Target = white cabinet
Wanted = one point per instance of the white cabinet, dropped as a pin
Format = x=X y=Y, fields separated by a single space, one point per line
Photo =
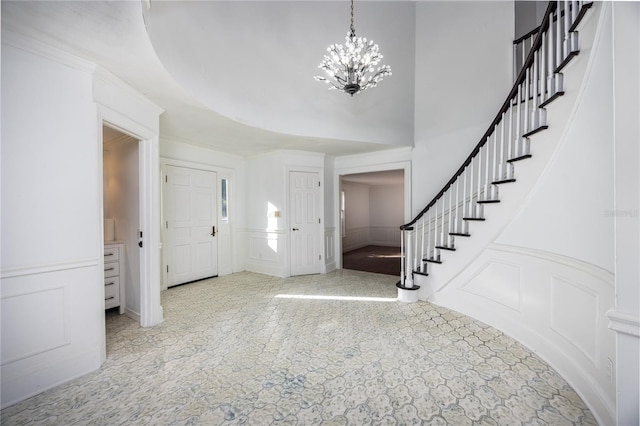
x=114 y=278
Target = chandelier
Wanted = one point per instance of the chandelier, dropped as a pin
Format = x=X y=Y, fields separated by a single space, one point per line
x=352 y=67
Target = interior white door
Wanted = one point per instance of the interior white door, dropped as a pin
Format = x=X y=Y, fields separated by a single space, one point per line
x=304 y=199
x=190 y=221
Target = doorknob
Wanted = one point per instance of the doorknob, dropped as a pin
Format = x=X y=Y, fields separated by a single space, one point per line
x=213 y=231
x=295 y=229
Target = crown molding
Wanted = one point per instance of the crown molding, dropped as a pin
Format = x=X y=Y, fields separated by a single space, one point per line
x=11 y=37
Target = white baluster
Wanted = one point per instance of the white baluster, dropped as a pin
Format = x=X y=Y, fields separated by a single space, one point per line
x=527 y=93
x=502 y=172
x=478 y=205
x=435 y=233
x=408 y=283
x=415 y=252
x=535 y=122
x=510 y=138
x=559 y=57
x=496 y=164
x=403 y=259
x=471 y=175
x=487 y=181
x=567 y=24
x=442 y=243
x=551 y=56
x=457 y=218
x=421 y=262
x=543 y=68
x=518 y=121
x=428 y=233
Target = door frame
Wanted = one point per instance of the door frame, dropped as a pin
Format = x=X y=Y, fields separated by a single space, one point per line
x=221 y=173
x=148 y=181
x=337 y=188
x=320 y=239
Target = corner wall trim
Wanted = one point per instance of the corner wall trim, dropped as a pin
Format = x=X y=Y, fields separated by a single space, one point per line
x=624 y=323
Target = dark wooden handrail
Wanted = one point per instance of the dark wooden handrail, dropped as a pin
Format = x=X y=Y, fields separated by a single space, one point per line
x=505 y=106
x=527 y=35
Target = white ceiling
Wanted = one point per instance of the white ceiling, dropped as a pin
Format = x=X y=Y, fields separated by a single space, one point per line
x=237 y=76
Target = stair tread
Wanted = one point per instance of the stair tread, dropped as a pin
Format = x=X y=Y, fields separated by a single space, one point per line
x=431 y=260
x=534 y=131
x=488 y=201
x=498 y=182
x=522 y=157
x=424 y=274
x=446 y=248
x=474 y=218
x=459 y=234
x=552 y=98
x=566 y=61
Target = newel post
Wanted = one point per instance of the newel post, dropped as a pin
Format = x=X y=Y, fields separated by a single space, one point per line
x=407 y=290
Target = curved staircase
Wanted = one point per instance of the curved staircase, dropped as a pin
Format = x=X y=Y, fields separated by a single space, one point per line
x=446 y=224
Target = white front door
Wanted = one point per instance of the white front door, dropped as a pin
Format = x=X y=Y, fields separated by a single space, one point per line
x=304 y=197
x=190 y=222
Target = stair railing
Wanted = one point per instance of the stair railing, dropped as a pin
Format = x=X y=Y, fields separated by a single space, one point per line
x=505 y=142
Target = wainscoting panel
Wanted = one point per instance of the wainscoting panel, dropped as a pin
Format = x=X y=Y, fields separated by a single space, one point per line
x=384 y=236
x=265 y=251
x=499 y=282
x=555 y=305
x=371 y=236
x=329 y=249
x=577 y=326
x=355 y=238
x=52 y=326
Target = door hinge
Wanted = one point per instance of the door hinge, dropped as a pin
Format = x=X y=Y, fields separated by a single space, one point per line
x=319 y=257
x=166 y=178
x=167 y=268
x=167 y=224
x=318 y=220
x=318 y=184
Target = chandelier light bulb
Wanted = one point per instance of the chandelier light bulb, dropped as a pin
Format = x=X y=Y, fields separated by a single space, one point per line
x=347 y=66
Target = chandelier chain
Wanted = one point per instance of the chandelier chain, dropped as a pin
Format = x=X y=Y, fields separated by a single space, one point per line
x=353 y=28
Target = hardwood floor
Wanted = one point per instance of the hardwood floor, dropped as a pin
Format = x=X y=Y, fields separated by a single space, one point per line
x=378 y=259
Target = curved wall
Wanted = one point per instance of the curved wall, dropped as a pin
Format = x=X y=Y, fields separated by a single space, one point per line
x=547 y=276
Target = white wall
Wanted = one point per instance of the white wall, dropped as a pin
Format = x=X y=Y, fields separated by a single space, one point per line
x=463 y=75
x=52 y=300
x=265 y=237
x=123 y=205
x=357 y=219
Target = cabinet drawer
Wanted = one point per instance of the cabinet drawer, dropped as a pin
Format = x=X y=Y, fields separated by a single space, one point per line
x=111 y=269
x=111 y=296
x=111 y=282
x=111 y=254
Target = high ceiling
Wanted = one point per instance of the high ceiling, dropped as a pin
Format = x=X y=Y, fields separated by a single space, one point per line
x=236 y=76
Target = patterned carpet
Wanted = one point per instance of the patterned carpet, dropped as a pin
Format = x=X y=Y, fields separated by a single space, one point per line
x=333 y=349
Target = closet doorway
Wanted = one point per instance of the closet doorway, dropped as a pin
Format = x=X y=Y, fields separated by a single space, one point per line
x=121 y=212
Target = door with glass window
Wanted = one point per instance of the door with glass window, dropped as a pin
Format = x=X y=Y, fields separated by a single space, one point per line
x=190 y=200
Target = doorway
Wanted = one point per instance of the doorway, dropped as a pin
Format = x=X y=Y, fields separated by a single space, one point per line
x=121 y=213
x=372 y=209
x=191 y=224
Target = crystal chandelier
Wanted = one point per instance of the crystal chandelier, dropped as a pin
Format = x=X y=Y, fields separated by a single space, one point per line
x=352 y=67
